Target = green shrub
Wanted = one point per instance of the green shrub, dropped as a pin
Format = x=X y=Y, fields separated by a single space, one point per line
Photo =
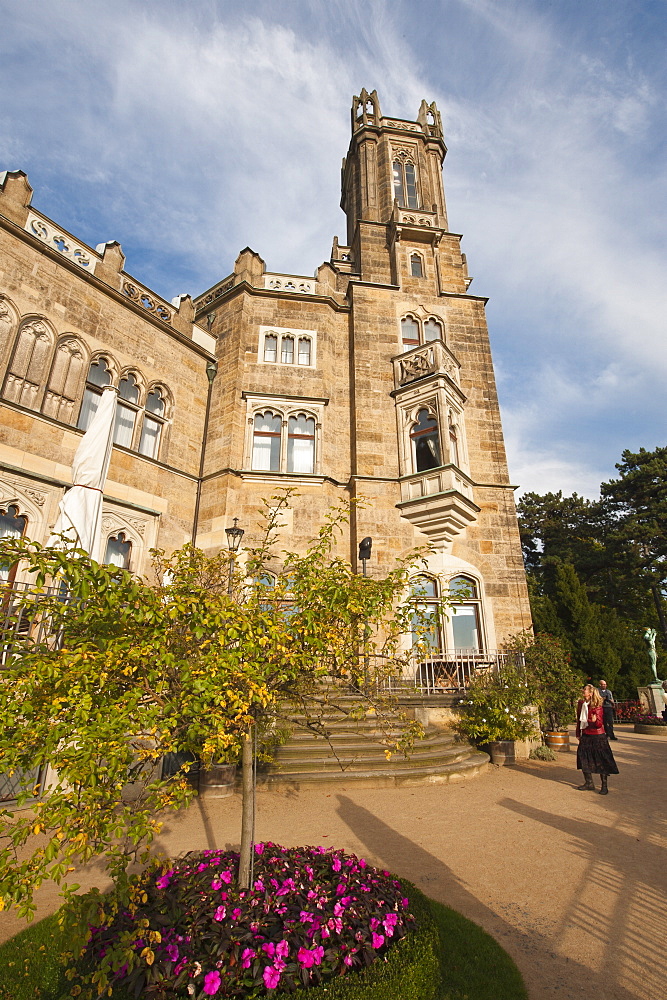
x=543 y=753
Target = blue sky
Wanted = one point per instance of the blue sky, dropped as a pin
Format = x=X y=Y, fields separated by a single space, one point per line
x=189 y=130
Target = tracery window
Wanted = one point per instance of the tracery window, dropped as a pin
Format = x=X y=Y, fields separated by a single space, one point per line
x=99 y=375
x=118 y=551
x=64 y=383
x=409 y=332
x=425 y=439
x=12 y=525
x=286 y=348
x=284 y=442
x=266 y=442
x=127 y=407
x=405 y=183
x=301 y=444
x=27 y=369
x=414 y=333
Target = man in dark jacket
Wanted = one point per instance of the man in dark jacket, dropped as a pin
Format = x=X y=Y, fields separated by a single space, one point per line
x=607 y=709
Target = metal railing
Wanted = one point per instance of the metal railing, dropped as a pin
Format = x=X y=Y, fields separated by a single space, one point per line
x=447 y=671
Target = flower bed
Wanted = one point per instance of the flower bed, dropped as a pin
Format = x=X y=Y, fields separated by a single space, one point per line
x=648 y=724
x=312 y=916
x=625 y=711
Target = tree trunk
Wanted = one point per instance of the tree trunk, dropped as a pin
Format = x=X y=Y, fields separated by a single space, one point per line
x=248 y=810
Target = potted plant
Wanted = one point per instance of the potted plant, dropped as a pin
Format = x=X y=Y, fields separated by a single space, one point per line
x=554 y=686
x=495 y=714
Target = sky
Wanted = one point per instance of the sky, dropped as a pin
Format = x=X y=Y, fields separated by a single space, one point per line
x=187 y=131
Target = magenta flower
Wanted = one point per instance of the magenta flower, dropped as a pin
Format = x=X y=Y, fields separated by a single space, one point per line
x=259 y=848
x=377 y=940
x=246 y=958
x=216 y=883
x=307 y=957
x=172 y=952
x=271 y=977
x=336 y=865
x=226 y=877
x=211 y=983
x=259 y=885
x=220 y=913
x=374 y=923
x=305 y=917
x=270 y=948
x=164 y=881
x=282 y=949
x=236 y=914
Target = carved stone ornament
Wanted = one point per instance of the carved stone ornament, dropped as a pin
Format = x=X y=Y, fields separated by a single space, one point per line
x=415 y=366
x=403 y=152
x=13 y=490
x=406 y=126
x=143 y=298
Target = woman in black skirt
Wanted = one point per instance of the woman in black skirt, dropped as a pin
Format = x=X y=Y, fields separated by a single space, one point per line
x=594 y=754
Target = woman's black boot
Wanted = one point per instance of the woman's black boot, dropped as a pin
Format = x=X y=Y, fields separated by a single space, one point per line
x=604 y=790
x=588 y=785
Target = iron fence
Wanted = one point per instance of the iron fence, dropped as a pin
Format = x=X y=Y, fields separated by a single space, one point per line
x=447 y=671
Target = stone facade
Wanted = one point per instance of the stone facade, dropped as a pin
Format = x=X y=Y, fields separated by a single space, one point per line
x=373 y=379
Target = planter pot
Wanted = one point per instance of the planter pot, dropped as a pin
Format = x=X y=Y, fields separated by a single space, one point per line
x=218 y=782
x=557 y=741
x=502 y=752
x=650 y=730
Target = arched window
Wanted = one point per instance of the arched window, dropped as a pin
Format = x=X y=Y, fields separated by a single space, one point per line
x=425 y=442
x=64 y=381
x=266 y=442
x=270 y=347
x=416 y=267
x=301 y=444
x=426 y=621
x=287 y=351
x=118 y=551
x=465 y=617
x=127 y=408
x=432 y=330
x=409 y=332
x=12 y=525
x=27 y=369
x=98 y=376
x=454 y=457
x=405 y=183
x=154 y=420
x=304 y=350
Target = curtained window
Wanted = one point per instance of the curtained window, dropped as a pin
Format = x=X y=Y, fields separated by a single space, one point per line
x=301 y=444
x=12 y=525
x=153 y=423
x=118 y=551
x=98 y=376
x=465 y=614
x=266 y=442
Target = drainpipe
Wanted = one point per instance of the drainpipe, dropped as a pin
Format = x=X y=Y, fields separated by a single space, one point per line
x=211 y=372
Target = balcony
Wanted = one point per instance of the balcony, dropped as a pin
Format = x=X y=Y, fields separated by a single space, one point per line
x=439 y=502
x=447 y=671
x=428 y=359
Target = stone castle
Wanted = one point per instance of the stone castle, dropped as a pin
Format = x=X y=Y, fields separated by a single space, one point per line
x=373 y=378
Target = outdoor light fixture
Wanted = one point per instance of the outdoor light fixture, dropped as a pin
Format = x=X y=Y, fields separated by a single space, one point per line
x=365 y=546
x=234 y=536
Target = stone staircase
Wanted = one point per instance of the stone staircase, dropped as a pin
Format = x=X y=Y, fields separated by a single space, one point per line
x=355 y=755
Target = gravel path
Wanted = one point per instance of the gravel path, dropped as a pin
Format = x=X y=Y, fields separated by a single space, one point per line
x=572 y=884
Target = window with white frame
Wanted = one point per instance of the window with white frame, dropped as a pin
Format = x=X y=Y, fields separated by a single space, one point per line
x=287 y=347
x=301 y=444
x=284 y=437
x=127 y=407
x=465 y=619
x=415 y=333
x=426 y=618
x=266 y=441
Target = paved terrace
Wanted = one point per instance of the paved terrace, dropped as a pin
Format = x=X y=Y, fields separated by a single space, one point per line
x=572 y=884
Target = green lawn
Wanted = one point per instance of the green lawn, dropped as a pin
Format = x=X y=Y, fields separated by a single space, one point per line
x=474 y=966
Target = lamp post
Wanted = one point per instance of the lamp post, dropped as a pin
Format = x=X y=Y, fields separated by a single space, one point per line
x=365 y=546
x=234 y=536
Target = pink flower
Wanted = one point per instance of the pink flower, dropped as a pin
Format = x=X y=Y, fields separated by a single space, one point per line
x=374 y=923
x=348 y=960
x=236 y=914
x=307 y=957
x=164 y=881
x=172 y=952
x=259 y=848
x=305 y=917
x=211 y=983
x=270 y=948
x=335 y=924
x=259 y=885
x=220 y=913
x=405 y=902
x=216 y=884
x=282 y=949
x=336 y=865
x=377 y=940
x=389 y=923
x=202 y=867
x=226 y=877
x=246 y=958
x=271 y=977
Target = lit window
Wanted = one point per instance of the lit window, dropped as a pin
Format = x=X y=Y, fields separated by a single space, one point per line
x=301 y=444
x=405 y=183
x=118 y=551
x=154 y=420
x=416 y=269
x=266 y=442
x=98 y=376
x=426 y=442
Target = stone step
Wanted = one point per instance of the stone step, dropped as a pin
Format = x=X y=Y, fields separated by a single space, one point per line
x=354 y=745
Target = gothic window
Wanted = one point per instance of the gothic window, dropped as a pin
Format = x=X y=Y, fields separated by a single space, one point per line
x=118 y=551
x=99 y=375
x=425 y=442
x=270 y=347
x=454 y=456
x=153 y=422
x=266 y=442
x=426 y=619
x=127 y=407
x=287 y=351
x=65 y=379
x=432 y=330
x=465 y=615
x=409 y=332
x=285 y=347
x=301 y=444
x=405 y=183
x=27 y=369
x=416 y=266
x=12 y=525
x=304 y=350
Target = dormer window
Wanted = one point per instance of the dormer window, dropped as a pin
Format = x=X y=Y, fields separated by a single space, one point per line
x=405 y=183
